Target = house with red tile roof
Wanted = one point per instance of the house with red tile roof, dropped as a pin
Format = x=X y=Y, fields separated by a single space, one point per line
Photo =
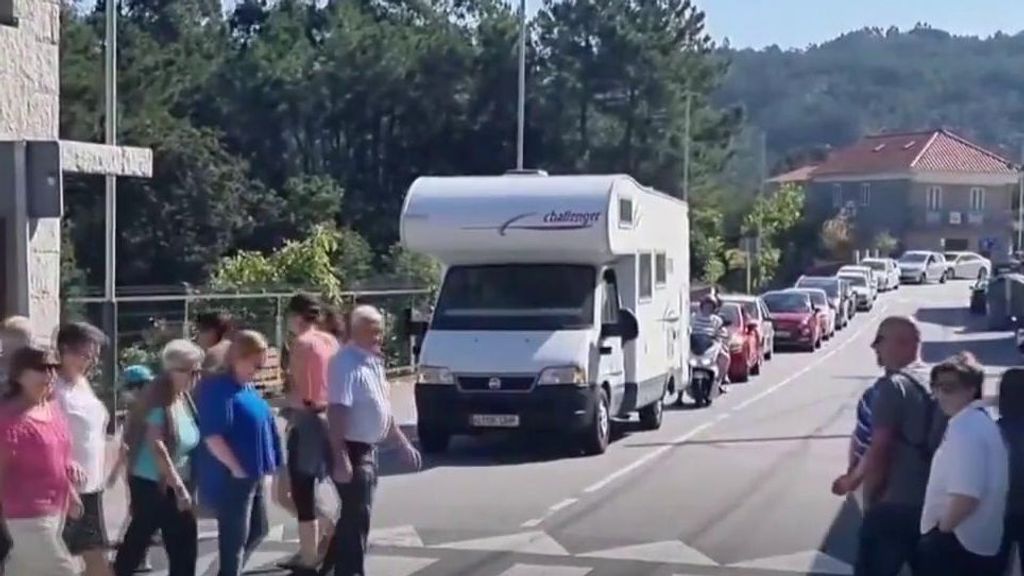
x=932 y=190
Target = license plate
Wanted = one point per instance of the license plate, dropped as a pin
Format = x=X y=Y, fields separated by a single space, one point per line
x=494 y=420
x=782 y=334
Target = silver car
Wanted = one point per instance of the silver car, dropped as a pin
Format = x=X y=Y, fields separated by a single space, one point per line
x=922 y=266
x=968 y=265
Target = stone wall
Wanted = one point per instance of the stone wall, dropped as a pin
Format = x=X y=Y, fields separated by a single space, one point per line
x=29 y=110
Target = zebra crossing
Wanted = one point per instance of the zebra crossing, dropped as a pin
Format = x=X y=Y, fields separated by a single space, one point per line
x=402 y=551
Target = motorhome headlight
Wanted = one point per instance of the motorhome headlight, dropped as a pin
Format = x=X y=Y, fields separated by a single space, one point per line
x=563 y=375
x=434 y=375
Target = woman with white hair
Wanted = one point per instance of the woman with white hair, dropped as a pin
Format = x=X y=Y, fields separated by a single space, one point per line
x=161 y=437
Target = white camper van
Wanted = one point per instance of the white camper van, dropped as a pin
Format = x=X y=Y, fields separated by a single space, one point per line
x=564 y=306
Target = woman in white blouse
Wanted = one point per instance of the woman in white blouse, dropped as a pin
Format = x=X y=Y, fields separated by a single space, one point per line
x=78 y=345
x=965 y=502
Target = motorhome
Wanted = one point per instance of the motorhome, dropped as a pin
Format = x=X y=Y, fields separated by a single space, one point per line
x=564 y=305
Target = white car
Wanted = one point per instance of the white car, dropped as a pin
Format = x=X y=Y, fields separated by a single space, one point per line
x=923 y=266
x=969 y=265
x=886 y=270
x=867 y=272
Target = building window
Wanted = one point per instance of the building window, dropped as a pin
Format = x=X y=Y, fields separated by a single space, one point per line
x=935 y=198
x=626 y=212
x=865 y=194
x=837 y=195
x=977 y=199
x=660 y=270
x=644 y=276
x=7 y=17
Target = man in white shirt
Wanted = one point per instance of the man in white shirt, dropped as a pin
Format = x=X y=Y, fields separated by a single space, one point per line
x=359 y=417
x=965 y=502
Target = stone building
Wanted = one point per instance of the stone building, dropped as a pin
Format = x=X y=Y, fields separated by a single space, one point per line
x=32 y=159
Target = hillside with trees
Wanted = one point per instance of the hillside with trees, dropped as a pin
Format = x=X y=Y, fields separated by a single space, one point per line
x=876 y=80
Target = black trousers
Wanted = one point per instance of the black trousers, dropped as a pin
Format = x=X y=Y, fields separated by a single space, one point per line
x=889 y=536
x=153 y=508
x=1013 y=534
x=353 y=529
x=941 y=554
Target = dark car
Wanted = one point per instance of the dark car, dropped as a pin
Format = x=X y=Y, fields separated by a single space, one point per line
x=838 y=297
x=796 y=321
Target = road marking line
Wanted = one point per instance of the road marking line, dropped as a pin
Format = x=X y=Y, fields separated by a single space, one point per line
x=563 y=504
x=552 y=510
x=653 y=455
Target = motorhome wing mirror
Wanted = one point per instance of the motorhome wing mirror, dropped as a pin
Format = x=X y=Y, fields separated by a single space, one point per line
x=413 y=324
x=629 y=327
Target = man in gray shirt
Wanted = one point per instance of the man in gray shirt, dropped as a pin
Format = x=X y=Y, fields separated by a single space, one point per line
x=359 y=418
x=906 y=428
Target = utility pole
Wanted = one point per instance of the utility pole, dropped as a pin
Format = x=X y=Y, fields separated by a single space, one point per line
x=686 y=148
x=110 y=201
x=521 y=120
x=762 y=175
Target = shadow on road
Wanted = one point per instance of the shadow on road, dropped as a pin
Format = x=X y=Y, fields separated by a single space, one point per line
x=992 y=352
x=840 y=541
x=958 y=317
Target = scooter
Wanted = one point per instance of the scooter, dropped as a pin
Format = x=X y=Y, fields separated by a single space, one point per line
x=705 y=377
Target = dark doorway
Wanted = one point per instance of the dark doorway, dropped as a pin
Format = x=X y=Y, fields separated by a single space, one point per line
x=955 y=244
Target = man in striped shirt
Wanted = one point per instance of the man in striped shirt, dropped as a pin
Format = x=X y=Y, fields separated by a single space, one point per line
x=359 y=418
x=860 y=440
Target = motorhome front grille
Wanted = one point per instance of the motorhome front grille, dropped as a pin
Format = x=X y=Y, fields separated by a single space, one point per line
x=496 y=383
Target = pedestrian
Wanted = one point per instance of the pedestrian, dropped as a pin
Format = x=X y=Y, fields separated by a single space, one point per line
x=1011 y=423
x=307 y=445
x=36 y=490
x=335 y=323
x=15 y=334
x=79 y=345
x=860 y=439
x=360 y=417
x=213 y=331
x=134 y=380
x=243 y=448
x=965 y=503
x=906 y=426
x=163 y=435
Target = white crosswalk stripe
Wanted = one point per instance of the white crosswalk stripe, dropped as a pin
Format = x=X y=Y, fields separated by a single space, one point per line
x=669 y=552
x=538 y=570
x=811 y=561
x=525 y=543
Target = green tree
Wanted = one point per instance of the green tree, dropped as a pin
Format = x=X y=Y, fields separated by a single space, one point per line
x=773 y=217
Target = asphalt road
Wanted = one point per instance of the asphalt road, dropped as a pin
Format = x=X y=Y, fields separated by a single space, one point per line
x=738 y=489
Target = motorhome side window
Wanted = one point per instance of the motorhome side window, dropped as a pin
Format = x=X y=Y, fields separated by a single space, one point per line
x=660 y=270
x=517 y=297
x=626 y=212
x=610 y=307
x=644 y=276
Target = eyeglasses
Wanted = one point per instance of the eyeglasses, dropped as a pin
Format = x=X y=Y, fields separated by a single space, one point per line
x=46 y=368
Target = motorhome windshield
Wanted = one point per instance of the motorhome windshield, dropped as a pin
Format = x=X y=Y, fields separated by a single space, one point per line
x=516 y=297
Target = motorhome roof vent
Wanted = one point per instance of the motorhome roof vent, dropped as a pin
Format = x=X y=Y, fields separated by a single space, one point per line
x=526 y=172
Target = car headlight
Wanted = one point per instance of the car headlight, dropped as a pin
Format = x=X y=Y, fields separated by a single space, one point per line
x=705 y=362
x=434 y=375
x=563 y=375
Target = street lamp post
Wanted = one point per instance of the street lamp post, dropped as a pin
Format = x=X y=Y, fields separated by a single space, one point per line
x=686 y=148
x=521 y=116
x=110 y=201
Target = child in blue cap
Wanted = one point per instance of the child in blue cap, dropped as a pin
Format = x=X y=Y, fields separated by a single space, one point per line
x=133 y=380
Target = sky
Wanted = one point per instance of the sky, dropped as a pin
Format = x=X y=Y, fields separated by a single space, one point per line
x=799 y=23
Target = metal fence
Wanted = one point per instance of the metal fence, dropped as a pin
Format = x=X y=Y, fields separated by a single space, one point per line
x=146 y=322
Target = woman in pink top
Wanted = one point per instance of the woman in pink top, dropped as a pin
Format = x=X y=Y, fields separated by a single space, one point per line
x=36 y=490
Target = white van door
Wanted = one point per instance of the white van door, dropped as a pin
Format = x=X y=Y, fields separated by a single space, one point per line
x=611 y=368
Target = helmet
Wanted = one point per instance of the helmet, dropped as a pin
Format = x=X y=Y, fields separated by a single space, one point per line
x=709 y=301
x=136 y=376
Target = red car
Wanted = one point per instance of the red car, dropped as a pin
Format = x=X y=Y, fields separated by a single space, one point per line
x=745 y=353
x=794 y=318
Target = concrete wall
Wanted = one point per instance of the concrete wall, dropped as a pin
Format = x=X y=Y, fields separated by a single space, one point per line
x=29 y=110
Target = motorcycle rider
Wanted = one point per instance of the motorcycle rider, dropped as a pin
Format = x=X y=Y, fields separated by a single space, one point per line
x=707 y=322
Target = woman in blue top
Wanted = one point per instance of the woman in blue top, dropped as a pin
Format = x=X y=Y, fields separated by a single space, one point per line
x=160 y=437
x=243 y=447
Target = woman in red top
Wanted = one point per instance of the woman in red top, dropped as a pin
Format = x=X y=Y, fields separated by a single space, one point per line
x=36 y=489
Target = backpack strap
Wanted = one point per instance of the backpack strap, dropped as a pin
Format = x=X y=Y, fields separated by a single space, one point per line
x=924 y=448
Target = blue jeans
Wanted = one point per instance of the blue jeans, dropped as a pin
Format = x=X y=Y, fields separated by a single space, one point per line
x=241 y=523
